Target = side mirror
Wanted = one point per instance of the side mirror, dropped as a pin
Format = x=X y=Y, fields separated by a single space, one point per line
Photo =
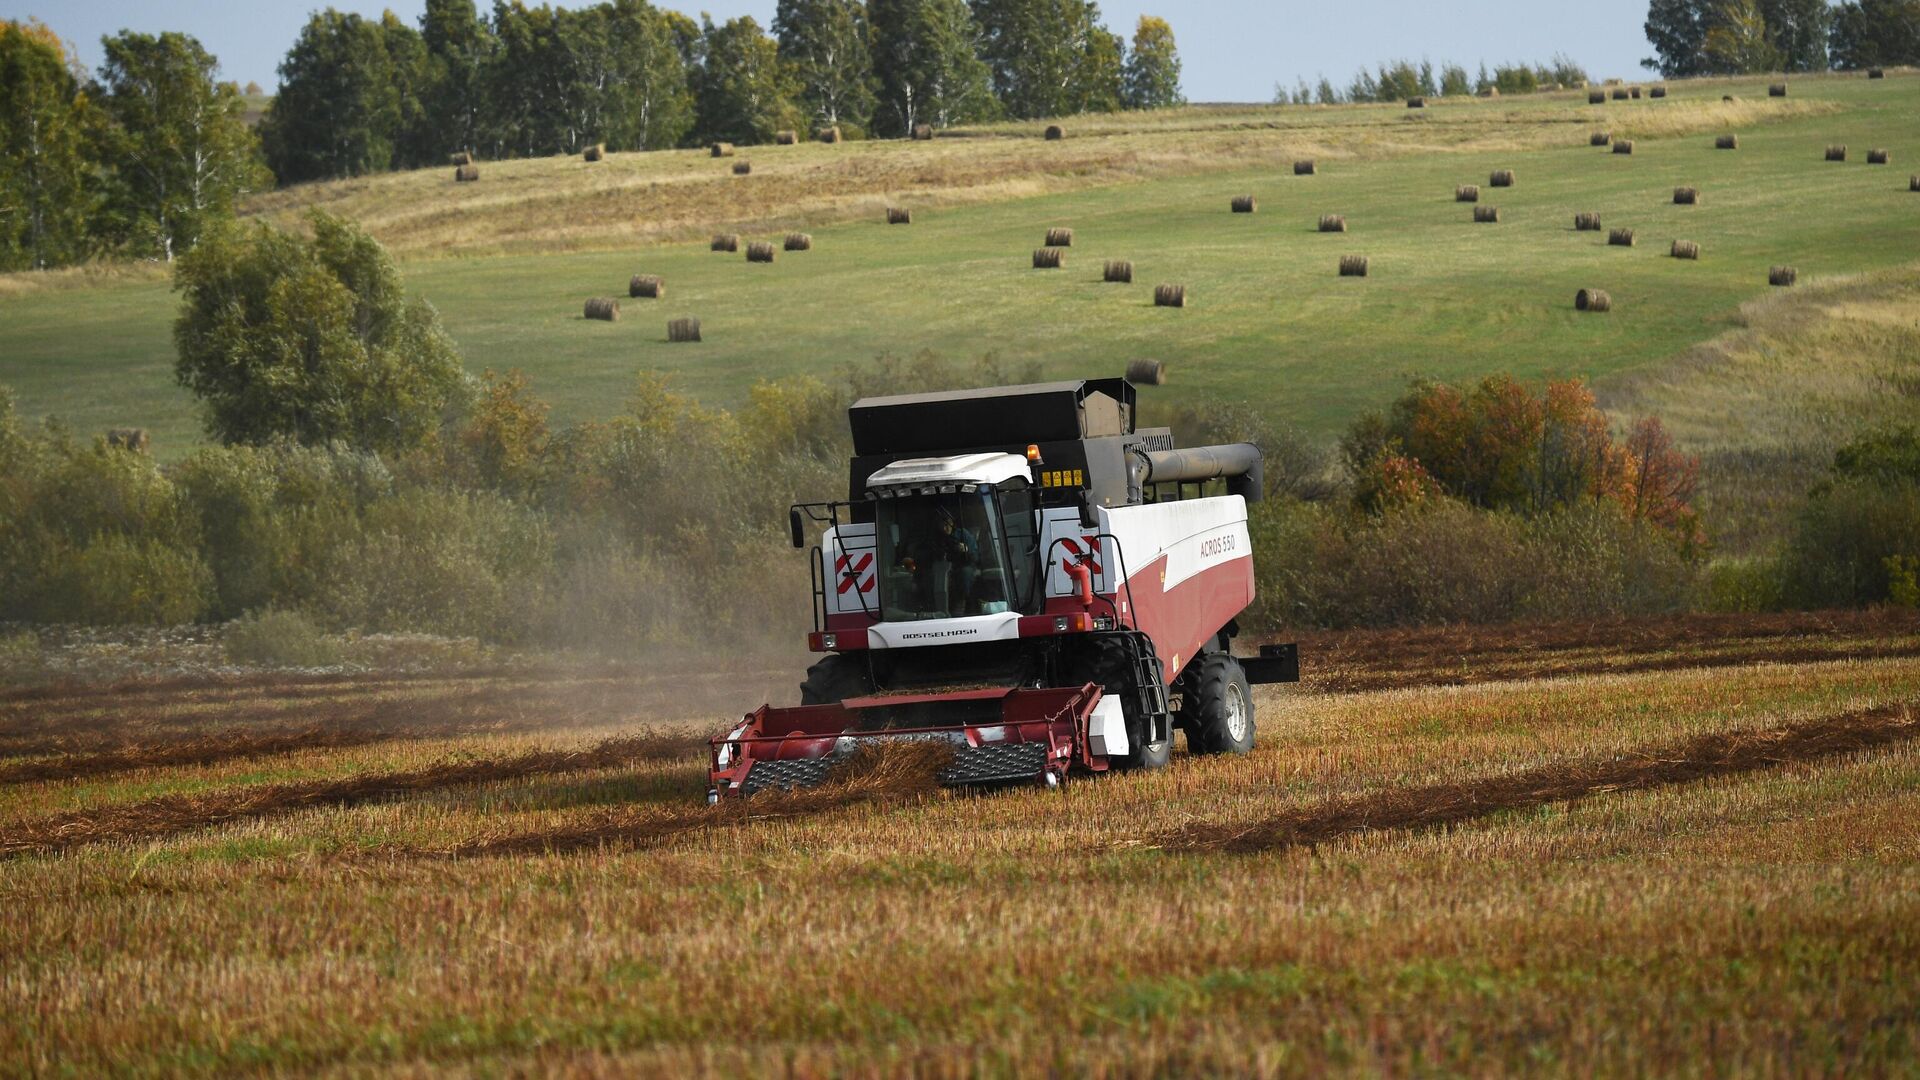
x=796 y=527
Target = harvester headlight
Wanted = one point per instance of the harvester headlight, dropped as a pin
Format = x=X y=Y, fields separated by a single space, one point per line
x=828 y=641
x=1059 y=624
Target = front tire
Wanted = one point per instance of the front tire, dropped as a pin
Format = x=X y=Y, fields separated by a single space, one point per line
x=834 y=679
x=1105 y=661
x=1218 y=708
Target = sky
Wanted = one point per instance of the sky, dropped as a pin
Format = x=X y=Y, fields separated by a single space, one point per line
x=1233 y=50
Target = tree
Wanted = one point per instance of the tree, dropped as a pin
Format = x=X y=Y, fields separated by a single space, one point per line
x=1870 y=33
x=1049 y=57
x=460 y=46
x=339 y=110
x=281 y=337
x=925 y=61
x=47 y=192
x=1678 y=31
x=1737 y=42
x=1797 y=29
x=181 y=149
x=742 y=93
x=1153 y=67
x=1454 y=82
x=825 y=43
x=650 y=106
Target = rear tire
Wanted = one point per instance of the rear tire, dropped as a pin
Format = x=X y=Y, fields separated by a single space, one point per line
x=1217 y=712
x=834 y=679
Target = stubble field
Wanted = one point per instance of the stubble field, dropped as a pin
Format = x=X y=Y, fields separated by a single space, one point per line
x=1681 y=845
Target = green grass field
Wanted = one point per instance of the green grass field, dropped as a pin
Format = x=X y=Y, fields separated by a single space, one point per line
x=1268 y=321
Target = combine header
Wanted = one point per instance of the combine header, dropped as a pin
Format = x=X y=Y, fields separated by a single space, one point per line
x=1022 y=575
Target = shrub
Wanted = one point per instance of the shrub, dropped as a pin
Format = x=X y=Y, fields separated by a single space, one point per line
x=279 y=638
x=1840 y=552
x=119 y=580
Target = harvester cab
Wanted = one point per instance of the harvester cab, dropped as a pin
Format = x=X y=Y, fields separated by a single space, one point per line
x=1023 y=575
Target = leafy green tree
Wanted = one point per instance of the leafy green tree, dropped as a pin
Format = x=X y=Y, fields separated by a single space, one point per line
x=1454 y=82
x=1870 y=33
x=282 y=337
x=1324 y=93
x=1738 y=43
x=460 y=45
x=926 y=63
x=1153 y=66
x=1049 y=57
x=340 y=110
x=742 y=92
x=825 y=43
x=1677 y=30
x=181 y=149
x=1797 y=30
x=650 y=104
x=47 y=194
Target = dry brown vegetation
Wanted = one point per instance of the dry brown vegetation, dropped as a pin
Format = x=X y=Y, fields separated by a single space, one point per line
x=562 y=204
x=1701 y=869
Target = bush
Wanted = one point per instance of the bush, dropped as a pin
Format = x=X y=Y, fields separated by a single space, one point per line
x=1844 y=538
x=117 y=580
x=278 y=638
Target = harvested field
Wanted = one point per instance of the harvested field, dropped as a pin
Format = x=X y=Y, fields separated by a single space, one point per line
x=1487 y=864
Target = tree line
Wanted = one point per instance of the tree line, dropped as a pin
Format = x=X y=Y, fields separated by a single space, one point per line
x=140 y=157
x=1399 y=80
x=363 y=95
x=1737 y=37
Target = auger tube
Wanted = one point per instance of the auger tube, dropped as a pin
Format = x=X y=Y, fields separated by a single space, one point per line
x=1237 y=463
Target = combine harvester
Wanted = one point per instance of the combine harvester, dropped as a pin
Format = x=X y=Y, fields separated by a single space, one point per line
x=1020 y=574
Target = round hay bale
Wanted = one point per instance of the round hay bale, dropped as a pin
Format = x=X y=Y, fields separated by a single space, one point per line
x=786 y=138
x=1913 y=182
x=1244 y=204
x=1058 y=237
x=1146 y=373
x=1623 y=146
x=466 y=174
x=1686 y=196
x=462 y=158
x=646 y=287
x=1333 y=223
x=1782 y=275
x=1055 y=133
x=1486 y=215
x=1658 y=92
x=827 y=135
x=1876 y=73
x=1620 y=238
x=1778 y=89
x=1170 y=296
x=721 y=149
x=799 y=241
x=727 y=242
x=1501 y=178
x=1595 y=300
x=923 y=133
x=1879 y=157
x=1685 y=249
x=742 y=168
x=1726 y=99
x=1586 y=222
x=604 y=308
x=1634 y=93
x=1836 y=152
x=899 y=215
x=1303 y=168
x=760 y=251
x=1600 y=138
x=1467 y=193
x=1049 y=258
x=1119 y=271
x=128 y=438
x=595 y=152
x=1596 y=97
x=1353 y=266
x=1416 y=103
x=1490 y=92
x=683 y=329
x=1727 y=142
x=1619 y=93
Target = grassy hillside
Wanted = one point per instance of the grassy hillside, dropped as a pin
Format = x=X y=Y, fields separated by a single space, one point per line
x=1268 y=321
x=1629 y=870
